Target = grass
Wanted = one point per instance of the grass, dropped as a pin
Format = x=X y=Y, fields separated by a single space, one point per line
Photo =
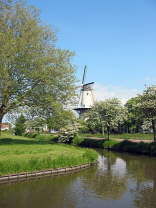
x=137 y=136
x=109 y=144
x=137 y=148
x=20 y=154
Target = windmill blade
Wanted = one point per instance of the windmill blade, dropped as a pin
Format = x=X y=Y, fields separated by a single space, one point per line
x=84 y=74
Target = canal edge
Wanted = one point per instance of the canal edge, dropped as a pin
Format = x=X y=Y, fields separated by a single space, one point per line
x=37 y=174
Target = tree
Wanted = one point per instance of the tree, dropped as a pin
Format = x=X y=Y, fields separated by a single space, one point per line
x=147 y=106
x=20 y=125
x=109 y=113
x=60 y=119
x=134 y=121
x=33 y=72
x=93 y=122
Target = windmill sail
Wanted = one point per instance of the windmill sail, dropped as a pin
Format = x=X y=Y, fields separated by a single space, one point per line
x=84 y=74
x=86 y=99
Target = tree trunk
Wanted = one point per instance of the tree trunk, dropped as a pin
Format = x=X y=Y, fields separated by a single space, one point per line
x=108 y=132
x=103 y=130
x=1 y=118
x=154 y=129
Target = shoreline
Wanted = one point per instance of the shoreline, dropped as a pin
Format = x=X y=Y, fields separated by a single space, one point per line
x=42 y=173
x=123 y=146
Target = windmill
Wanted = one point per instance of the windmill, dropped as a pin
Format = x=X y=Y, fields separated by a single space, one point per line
x=86 y=98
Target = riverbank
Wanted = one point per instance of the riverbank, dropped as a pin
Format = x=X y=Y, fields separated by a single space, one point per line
x=121 y=146
x=22 y=154
x=124 y=136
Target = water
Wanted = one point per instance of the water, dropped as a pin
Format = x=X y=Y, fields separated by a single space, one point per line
x=119 y=181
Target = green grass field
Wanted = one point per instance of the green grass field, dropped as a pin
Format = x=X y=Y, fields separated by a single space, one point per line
x=123 y=136
x=20 y=154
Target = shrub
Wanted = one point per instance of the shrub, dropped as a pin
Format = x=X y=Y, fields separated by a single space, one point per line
x=109 y=144
x=30 y=135
x=20 y=126
x=133 y=147
x=153 y=148
x=67 y=134
x=77 y=140
x=92 y=143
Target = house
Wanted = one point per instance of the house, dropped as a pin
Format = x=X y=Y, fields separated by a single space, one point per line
x=5 y=126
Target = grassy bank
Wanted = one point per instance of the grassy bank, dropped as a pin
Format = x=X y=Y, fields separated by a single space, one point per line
x=122 y=146
x=137 y=148
x=20 y=154
x=137 y=136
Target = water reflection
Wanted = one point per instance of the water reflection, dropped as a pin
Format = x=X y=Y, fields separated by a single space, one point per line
x=119 y=180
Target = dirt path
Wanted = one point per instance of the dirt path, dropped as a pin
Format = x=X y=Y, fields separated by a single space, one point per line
x=120 y=140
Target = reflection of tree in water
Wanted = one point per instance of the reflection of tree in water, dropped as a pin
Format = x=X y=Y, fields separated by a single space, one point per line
x=104 y=181
x=143 y=170
x=116 y=174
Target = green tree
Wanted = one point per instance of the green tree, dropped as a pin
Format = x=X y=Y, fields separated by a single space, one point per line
x=60 y=119
x=109 y=113
x=147 y=106
x=93 y=122
x=134 y=121
x=33 y=72
x=20 y=126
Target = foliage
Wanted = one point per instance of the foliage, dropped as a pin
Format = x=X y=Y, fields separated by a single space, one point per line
x=35 y=124
x=34 y=74
x=92 y=121
x=138 y=148
x=108 y=114
x=30 y=135
x=146 y=126
x=147 y=106
x=60 y=118
x=92 y=143
x=134 y=121
x=77 y=140
x=68 y=133
x=109 y=144
x=20 y=126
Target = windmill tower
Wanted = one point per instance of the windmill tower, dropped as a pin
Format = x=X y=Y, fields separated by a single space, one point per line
x=86 y=99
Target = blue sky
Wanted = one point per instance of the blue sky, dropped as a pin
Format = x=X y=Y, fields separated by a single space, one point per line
x=116 y=39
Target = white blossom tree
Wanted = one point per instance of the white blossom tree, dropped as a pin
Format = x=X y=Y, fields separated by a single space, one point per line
x=109 y=114
x=147 y=106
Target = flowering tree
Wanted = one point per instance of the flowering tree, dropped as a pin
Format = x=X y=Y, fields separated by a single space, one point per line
x=108 y=114
x=147 y=106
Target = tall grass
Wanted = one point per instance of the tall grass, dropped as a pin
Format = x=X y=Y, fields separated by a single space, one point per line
x=20 y=154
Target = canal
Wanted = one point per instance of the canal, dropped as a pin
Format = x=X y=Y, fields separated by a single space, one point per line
x=118 y=181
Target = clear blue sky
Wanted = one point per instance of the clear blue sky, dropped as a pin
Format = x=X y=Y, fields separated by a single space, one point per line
x=116 y=39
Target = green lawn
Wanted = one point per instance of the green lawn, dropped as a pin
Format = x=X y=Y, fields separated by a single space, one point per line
x=19 y=154
x=133 y=136
x=122 y=136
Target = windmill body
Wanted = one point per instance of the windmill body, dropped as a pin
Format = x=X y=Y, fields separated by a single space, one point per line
x=86 y=98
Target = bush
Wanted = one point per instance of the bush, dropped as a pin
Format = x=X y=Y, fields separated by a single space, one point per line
x=139 y=148
x=93 y=143
x=30 y=135
x=77 y=140
x=20 y=126
x=67 y=134
x=50 y=137
x=108 y=144
x=153 y=148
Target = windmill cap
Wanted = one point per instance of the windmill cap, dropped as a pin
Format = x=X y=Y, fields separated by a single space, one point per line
x=89 y=83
